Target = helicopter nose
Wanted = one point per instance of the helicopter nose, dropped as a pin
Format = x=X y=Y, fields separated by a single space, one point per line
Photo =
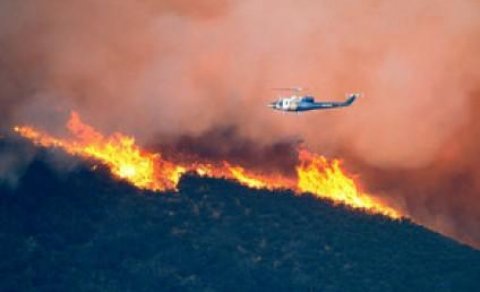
x=271 y=105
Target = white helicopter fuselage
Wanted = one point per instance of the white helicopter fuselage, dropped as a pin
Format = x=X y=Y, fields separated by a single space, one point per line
x=296 y=103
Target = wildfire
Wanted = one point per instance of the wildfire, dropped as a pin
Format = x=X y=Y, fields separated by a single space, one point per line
x=327 y=180
x=119 y=152
x=146 y=170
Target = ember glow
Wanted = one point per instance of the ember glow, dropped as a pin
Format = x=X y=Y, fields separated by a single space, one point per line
x=147 y=170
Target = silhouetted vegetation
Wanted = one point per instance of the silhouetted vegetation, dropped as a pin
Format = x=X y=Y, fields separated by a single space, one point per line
x=84 y=231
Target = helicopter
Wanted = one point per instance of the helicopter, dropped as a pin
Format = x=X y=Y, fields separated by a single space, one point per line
x=302 y=103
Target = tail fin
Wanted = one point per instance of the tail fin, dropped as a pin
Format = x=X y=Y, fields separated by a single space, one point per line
x=351 y=98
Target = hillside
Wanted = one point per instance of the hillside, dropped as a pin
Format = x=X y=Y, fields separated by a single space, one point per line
x=83 y=231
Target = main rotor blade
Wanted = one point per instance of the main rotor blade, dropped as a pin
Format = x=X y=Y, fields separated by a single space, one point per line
x=296 y=89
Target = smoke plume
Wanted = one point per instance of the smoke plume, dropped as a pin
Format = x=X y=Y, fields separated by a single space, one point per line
x=196 y=76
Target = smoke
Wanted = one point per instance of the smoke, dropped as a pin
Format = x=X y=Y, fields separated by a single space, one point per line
x=185 y=73
x=14 y=160
x=444 y=193
x=226 y=144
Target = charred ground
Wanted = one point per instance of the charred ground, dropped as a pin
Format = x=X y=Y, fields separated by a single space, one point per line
x=81 y=230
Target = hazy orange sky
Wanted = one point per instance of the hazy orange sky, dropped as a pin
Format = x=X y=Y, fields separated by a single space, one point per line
x=162 y=69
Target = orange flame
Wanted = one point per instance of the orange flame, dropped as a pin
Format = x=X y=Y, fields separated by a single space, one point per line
x=119 y=152
x=327 y=180
x=148 y=170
